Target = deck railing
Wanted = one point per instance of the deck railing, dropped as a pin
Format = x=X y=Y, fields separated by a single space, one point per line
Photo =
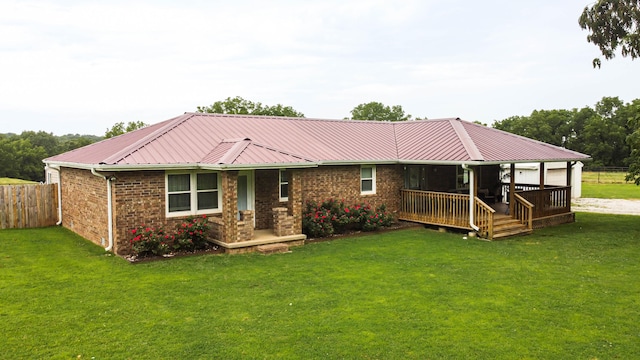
x=437 y=208
x=523 y=211
x=549 y=201
x=483 y=217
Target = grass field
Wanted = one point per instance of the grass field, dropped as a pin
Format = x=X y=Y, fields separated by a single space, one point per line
x=10 y=181
x=608 y=185
x=603 y=177
x=567 y=292
x=610 y=191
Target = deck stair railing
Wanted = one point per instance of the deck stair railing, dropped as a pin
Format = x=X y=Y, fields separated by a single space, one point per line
x=483 y=218
x=523 y=211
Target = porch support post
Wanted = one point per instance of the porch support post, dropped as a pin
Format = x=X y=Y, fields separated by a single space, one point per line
x=295 y=199
x=229 y=206
x=512 y=187
x=569 y=168
x=541 y=176
x=473 y=184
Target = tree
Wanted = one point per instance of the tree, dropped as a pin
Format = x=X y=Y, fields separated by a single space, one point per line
x=633 y=140
x=550 y=126
x=613 y=24
x=604 y=132
x=238 y=105
x=378 y=111
x=120 y=128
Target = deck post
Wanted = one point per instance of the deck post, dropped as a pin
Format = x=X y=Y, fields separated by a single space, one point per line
x=512 y=187
x=541 y=176
x=569 y=168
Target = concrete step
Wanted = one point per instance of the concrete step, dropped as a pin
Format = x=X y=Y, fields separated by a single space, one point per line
x=275 y=248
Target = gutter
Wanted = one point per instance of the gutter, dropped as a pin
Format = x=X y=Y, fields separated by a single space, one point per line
x=109 y=207
x=471 y=196
x=57 y=168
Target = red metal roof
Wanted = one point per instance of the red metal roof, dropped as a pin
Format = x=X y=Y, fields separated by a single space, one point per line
x=237 y=140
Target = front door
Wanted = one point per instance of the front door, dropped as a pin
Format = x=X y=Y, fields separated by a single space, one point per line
x=245 y=191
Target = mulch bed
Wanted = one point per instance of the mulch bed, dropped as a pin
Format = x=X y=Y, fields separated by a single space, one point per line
x=215 y=249
x=212 y=250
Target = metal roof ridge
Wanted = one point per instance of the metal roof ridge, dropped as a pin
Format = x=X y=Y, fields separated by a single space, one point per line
x=470 y=146
x=142 y=142
x=232 y=154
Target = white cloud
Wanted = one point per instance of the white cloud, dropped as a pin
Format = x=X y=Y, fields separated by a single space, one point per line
x=84 y=65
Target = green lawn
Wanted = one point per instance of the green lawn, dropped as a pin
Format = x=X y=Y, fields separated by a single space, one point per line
x=567 y=292
x=610 y=191
x=11 y=181
x=604 y=177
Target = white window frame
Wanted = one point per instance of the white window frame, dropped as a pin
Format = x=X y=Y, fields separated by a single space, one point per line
x=372 y=178
x=193 y=191
x=280 y=183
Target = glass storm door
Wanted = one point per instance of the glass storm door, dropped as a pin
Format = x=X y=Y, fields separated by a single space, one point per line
x=243 y=198
x=245 y=192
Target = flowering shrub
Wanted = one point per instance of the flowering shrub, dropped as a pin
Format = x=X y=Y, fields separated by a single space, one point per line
x=332 y=216
x=149 y=241
x=190 y=235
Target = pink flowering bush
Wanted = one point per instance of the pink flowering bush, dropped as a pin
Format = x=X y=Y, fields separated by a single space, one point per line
x=333 y=217
x=149 y=241
x=189 y=235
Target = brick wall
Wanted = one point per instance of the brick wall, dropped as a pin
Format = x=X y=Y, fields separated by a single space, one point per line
x=139 y=199
x=84 y=204
x=343 y=182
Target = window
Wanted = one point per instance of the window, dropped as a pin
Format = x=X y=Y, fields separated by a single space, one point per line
x=284 y=185
x=192 y=193
x=368 y=179
x=462 y=178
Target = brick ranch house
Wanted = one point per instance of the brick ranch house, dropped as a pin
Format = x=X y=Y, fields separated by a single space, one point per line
x=252 y=176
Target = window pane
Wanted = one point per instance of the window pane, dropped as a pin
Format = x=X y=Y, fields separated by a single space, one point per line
x=284 y=190
x=207 y=200
x=366 y=172
x=367 y=185
x=179 y=182
x=179 y=202
x=207 y=181
x=284 y=177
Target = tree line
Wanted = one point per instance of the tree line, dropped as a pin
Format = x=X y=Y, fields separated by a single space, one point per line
x=604 y=131
x=609 y=132
x=21 y=155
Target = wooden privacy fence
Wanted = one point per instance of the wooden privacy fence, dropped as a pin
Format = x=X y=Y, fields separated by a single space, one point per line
x=28 y=206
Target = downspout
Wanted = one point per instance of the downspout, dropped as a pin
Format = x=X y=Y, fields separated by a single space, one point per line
x=57 y=168
x=471 y=196
x=109 y=208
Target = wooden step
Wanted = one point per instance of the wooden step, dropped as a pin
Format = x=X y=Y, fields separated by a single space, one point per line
x=507 y=233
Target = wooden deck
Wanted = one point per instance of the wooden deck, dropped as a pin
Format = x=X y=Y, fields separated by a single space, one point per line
x=452 y=210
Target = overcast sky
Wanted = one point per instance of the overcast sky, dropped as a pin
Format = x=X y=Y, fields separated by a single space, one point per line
x=81 y=66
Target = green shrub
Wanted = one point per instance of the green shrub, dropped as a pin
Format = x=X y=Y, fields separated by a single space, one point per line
x=190 y=235
x=333 y=217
